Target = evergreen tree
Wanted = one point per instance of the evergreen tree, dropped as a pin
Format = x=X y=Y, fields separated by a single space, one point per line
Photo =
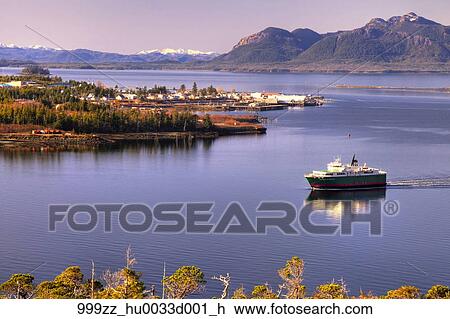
x=183 y=282
x=67 y=285
x=334 y=290
x=263 y=292
x=438 y=292
x=404 y=292
x=19 y=286
x=123 y=284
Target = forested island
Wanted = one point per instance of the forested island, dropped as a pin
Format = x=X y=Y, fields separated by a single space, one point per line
x=37 y=109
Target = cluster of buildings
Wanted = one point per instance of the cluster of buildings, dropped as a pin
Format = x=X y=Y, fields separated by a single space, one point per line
x=218 y=97
x=218 y=101
x=238 y=97
x=277 y=98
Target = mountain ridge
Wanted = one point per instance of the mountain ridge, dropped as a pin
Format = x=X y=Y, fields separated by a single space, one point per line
x=270 y=45
x=407 y=39
x=400 y=43
x=41 y=54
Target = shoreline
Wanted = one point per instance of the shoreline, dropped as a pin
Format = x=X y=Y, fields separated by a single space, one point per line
x=30 y=142
x=335 y=69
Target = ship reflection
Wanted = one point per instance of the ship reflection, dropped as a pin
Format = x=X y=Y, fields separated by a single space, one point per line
x=337 y=203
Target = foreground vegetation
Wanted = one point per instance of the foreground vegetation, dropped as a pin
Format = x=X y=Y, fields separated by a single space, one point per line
x=187 y=281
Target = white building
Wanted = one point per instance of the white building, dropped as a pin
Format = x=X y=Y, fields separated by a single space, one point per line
x=126 y=96
x=130 y=96
x=295 y=99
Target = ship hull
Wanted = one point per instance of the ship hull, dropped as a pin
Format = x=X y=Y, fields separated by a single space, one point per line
x=347 y=182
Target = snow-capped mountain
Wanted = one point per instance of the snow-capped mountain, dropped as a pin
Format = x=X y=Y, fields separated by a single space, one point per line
x=180 y=55
x=177 y=51
x=33 y=47
x=41 y=54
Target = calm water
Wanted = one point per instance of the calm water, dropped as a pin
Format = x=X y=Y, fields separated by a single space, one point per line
x=406 y=134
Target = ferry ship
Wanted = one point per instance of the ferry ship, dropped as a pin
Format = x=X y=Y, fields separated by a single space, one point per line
x=348 y=176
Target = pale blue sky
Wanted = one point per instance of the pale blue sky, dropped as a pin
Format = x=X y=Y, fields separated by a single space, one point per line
x=208 y=25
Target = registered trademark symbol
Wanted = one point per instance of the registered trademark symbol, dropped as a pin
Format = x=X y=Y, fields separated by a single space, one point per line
x=391 y=207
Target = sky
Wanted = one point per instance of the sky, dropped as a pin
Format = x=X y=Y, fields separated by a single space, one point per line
x=206 y=25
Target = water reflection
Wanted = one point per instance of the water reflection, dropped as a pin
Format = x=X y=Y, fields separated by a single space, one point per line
x=137 y=148
x=336 y=203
